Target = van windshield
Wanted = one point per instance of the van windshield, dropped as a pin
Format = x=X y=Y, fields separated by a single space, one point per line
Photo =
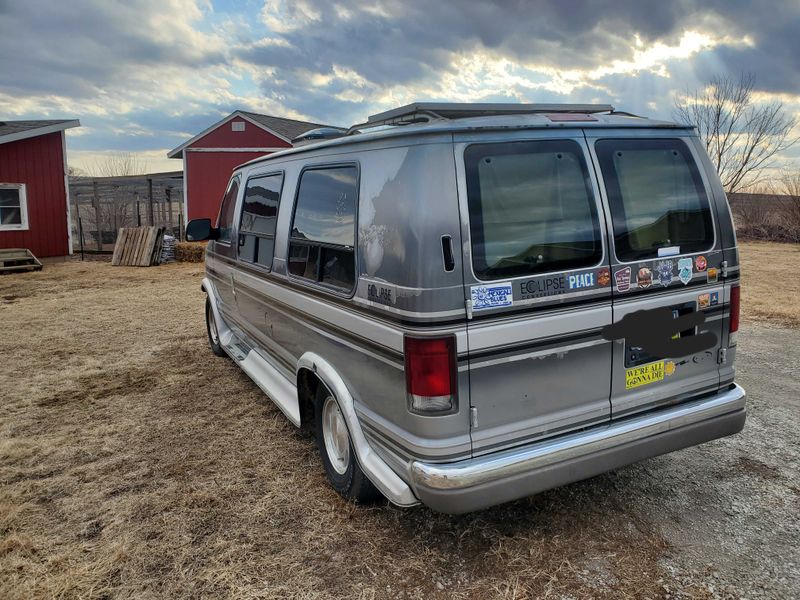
x=656 y=196
x=531 y=208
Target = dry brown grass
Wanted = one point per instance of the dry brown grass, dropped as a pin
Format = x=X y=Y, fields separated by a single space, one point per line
x=770 y=283
x=133 y=463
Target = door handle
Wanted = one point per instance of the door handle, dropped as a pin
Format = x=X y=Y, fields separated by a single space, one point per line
x=447 y=253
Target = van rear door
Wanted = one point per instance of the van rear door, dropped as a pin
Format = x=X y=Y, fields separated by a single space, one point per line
x=666 y=253
x=537 y=286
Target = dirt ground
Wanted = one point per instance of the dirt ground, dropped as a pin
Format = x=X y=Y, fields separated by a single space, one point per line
x=135 y=464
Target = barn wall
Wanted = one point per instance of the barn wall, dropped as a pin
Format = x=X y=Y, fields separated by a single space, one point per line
x=206 y=177
x=252 y=137
x=38 y=163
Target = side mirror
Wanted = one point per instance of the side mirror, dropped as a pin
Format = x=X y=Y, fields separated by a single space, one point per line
x=200 y=229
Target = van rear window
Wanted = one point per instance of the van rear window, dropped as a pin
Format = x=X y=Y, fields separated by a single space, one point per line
x=531 y=208
x=656 y=196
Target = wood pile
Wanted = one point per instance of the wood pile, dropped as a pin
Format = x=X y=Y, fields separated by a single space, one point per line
x=190 y=251
x=138 y=246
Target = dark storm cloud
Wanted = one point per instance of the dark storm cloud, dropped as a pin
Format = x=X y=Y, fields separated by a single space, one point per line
x=76 y=48
x=419 y=39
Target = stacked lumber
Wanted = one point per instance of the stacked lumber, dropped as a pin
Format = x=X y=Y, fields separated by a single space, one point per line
x=138 y=246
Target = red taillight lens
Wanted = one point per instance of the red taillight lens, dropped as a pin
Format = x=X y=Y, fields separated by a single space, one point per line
x=735 y=308
x=430 y=373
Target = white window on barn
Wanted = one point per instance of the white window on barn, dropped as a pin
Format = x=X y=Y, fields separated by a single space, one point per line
x=237 y=126
x=13 y=207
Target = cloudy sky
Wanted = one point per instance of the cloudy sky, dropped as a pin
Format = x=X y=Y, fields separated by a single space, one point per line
x=145 y=75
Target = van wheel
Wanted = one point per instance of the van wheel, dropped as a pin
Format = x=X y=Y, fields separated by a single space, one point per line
x=212 y=331
x=338 y=457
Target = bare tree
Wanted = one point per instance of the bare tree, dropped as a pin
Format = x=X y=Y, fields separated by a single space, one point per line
x=742 y=137
x=117 y=164
x=790 y=190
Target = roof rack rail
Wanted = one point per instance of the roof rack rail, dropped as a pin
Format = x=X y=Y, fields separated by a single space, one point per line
x=418 y=112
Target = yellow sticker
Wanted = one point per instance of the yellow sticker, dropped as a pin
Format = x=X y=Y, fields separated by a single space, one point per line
x=669 y=368
x=643 y=375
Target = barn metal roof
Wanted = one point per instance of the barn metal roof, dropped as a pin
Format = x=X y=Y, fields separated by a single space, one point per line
x=285 y=129
x=11 y=131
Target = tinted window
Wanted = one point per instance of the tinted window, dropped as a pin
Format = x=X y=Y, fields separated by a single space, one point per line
x=322 y=245
x=657 y=197
x=326 y=206
x=259 y=218
x=531 y=208
x=225 y=220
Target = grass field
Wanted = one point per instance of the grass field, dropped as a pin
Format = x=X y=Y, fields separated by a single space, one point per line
x=770 y=284
x=133 y=463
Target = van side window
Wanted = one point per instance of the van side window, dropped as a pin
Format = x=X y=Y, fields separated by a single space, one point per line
x=531 y=208
x=657 y=197
x=225 y=219
x=323 y=234
x=259 y=217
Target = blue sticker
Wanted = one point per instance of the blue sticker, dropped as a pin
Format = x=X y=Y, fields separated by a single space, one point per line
x=581 y=280
x=714 y=298
x=685 y=270
x=495 y=295
x=664 y=271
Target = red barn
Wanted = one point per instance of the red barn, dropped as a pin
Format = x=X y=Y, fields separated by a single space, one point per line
x=34 y=192
x=210 y=156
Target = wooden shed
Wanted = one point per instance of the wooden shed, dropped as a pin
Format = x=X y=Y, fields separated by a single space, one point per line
x=211 y=155
x=34 y=191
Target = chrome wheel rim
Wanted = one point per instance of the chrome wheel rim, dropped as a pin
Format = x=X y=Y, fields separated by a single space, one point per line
x=212 y=327
x=337 y=439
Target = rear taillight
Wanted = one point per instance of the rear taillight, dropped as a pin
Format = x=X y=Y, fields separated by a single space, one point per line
x=430 y=374
x=735 y=307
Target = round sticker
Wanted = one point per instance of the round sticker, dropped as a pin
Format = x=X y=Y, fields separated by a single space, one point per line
x=700 y=263
x=669 y=368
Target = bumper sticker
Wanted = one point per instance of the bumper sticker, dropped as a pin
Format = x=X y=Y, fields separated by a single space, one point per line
x=645 y=374
x=664 y=270
x=496 y=295
x=704 y=301
x=701 y=263
x=603 y=277
x=623 y=279
x=685 y=270
x=644 y=278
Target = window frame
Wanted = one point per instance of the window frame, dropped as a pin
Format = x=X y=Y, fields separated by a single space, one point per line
x=24 y=224
x=240 y=213
x=319 y=284
x=595 y=199
x=229 y=242
x=703 y=177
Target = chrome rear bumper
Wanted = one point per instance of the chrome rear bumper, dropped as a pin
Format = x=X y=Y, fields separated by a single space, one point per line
x=487 y=480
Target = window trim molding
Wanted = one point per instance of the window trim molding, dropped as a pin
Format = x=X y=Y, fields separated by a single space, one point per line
x=23 y=207
x=318 y=284
x=274 y=235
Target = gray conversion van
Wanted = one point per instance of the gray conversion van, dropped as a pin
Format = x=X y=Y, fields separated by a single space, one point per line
x=430 y=291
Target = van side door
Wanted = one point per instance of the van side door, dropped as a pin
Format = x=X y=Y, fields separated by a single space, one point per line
x=537 y=286
x=666 y=254
x=222 y=251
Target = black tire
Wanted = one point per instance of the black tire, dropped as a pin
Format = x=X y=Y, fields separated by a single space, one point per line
x=346 y=477
x=213 y=338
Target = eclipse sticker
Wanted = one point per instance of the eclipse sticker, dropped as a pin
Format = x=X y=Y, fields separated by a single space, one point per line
x=603 y=277
x=644 y=278
x=700 y=263
x=496 y=295
x=711 y=275
x=539 y=288
x=623 y=279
